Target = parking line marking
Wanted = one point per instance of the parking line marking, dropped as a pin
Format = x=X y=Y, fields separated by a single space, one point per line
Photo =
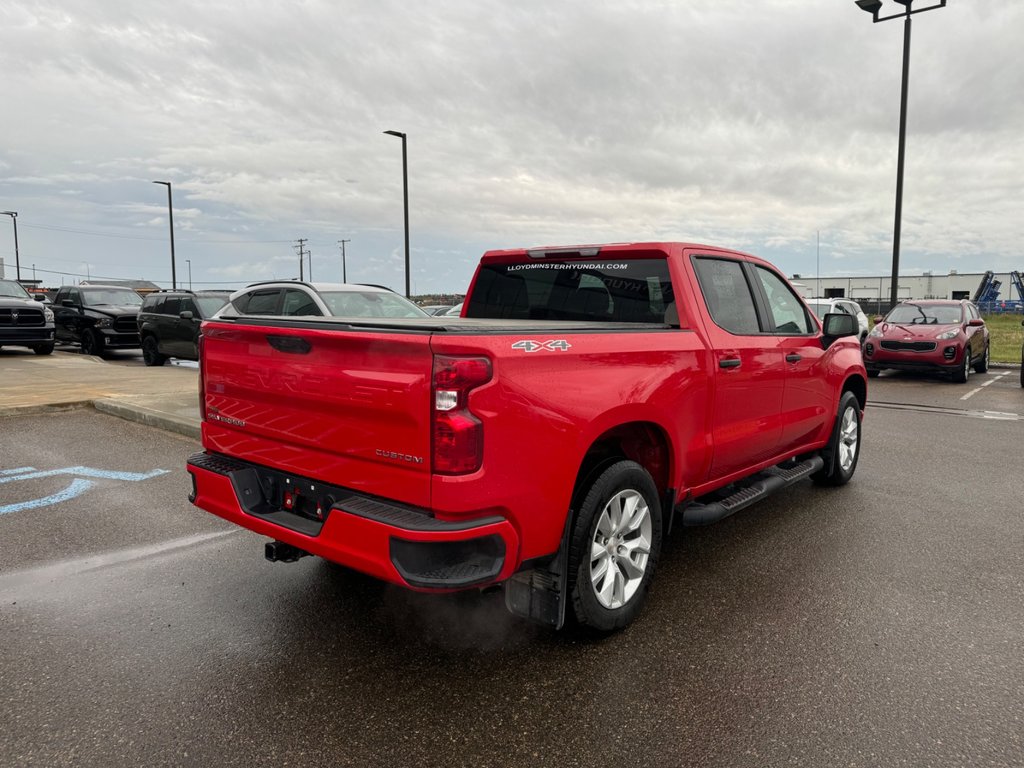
x=17 y=471
x=998 y=376
x=971 y=393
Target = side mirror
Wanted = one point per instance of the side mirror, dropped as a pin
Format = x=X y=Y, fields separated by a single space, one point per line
x=67 y=303
x=186 y=315
x=975 y=322
x=835 y=326
x=38 y=297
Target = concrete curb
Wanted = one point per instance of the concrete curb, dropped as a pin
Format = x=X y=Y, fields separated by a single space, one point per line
x=32 y=410
x=148 y=416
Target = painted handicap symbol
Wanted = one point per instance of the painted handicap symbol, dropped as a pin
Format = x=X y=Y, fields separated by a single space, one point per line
x=78 y=486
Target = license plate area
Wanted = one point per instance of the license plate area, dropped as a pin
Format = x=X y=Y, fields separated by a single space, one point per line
x=289 y=500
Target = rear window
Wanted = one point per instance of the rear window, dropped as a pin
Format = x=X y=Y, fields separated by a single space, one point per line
x=627 y=291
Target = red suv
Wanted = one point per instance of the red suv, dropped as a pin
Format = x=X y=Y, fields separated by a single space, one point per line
x=939 y=335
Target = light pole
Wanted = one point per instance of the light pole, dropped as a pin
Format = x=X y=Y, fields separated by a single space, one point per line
x=405 y=193
x=189 y=262
x=873 y=7
x=170 y=218
x=17 y=258
x=344 y=276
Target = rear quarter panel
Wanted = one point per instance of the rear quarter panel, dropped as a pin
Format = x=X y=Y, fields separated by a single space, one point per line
x=543 y=410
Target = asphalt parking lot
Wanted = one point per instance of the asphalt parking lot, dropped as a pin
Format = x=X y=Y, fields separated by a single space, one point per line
x=873 y=625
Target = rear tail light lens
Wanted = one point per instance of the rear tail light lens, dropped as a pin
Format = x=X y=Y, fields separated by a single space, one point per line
x=458 y=435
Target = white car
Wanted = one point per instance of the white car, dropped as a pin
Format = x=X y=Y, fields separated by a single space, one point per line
x=822 y=307
x=294 y=298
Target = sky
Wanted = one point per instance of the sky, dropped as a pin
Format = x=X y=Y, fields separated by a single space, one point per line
x=767 y=126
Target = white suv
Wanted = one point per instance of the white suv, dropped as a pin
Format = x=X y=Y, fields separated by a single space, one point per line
x=294 y=298
x=822 y=307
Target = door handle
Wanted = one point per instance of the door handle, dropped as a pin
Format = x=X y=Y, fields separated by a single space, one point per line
x=729 y=362
x=793 y=358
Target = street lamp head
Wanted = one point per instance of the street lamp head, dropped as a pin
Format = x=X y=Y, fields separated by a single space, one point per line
x=399 y=134
x=904 y=2
x=9 y=213
x=165 y=183
x=871 y=6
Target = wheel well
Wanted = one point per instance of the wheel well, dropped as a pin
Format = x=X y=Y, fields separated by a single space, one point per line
x=859 y=387
x=642 y=442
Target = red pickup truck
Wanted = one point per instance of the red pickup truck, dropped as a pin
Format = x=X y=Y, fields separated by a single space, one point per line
x=546 y=439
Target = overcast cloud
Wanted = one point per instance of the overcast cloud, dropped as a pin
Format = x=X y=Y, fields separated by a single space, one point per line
x=753 y=125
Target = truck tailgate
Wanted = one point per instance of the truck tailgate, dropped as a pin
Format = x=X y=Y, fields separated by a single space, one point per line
x=349 y=408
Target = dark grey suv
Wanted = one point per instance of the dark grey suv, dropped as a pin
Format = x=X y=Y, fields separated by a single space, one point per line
x=169 y=323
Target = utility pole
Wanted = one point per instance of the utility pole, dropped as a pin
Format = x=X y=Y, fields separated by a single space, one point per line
x=309 y=253
x=302 y=253
x=344 y=277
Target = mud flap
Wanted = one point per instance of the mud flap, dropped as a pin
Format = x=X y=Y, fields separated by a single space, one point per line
x=538 y=594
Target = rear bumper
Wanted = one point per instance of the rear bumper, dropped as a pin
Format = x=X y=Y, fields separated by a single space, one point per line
x=396 y=543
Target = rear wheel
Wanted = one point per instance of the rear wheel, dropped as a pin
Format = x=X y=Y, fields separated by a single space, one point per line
x=151 y=352
x=982 y=365
x=614 y=549
x=43 y=349
x=962 y=374
x=843 y=449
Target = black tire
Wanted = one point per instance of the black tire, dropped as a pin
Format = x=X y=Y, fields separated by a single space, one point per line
x=630 y=556
x=43 y=349
x=982 y=365
x=92 y=342
x=843 y=449
x=963 y=373
x=151 y=352
x=873 y=373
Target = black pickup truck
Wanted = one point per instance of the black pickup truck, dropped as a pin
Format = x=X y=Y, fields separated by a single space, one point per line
x=24 y=322
x=99 y=317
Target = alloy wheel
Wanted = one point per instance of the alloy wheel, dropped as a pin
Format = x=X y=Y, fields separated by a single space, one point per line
x=849 y=436
x=620 y=548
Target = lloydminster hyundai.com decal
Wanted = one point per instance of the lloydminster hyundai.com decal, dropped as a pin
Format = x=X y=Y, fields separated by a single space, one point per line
x=79 y=485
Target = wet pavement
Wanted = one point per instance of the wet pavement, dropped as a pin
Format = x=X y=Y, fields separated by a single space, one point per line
x=876 y=624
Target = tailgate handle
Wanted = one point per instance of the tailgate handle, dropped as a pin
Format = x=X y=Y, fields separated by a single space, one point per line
x=295 y=345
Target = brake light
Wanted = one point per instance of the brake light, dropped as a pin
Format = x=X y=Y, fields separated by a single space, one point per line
x=458 y=435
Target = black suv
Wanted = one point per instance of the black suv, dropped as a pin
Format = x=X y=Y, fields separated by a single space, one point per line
x=169 y=323
x=99 y=317
x=24 y=322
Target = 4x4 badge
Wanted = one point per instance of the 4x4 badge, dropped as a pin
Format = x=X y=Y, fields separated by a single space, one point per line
x=555 y=345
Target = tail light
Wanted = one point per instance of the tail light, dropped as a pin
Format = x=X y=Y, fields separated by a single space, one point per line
x=458 y=435
x=202 y=379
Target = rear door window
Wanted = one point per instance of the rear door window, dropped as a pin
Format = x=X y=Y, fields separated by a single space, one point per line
x=727 y=294
x=263 y=302
x=170 y=306
x=625 y=291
